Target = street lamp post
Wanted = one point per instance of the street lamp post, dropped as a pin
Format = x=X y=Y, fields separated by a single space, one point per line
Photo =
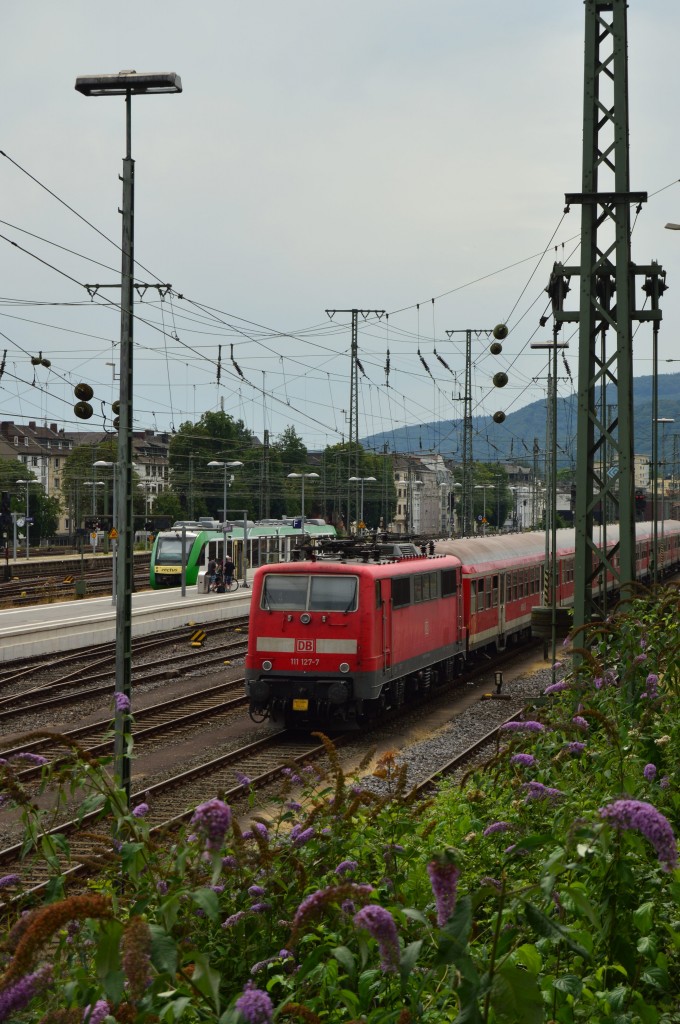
x=482 y=487
x=362 y=480
x=27 y=520
x=302 y=477
x=127 y=84
x=226 y=466
x=552 y=346
x=664 y=421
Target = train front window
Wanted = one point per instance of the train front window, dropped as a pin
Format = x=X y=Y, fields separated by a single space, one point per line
x=309 y=593
x=333 y=594
x=169 y=551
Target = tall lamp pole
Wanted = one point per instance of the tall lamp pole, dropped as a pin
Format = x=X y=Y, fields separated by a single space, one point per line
x=226 y=466
x=551 y=507
x=127 y=84
x=663 y=420
x=302 y=477
x=27 y=521
x=363 y=479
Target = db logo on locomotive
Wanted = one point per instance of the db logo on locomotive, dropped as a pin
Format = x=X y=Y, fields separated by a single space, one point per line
x=305 y=646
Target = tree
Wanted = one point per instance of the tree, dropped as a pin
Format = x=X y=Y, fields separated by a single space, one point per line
x=167 y=503
x=292 y=451
x=44 y=510
x=217 y=437
x=338 y=464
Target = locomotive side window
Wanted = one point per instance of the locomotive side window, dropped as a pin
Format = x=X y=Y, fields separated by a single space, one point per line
x=425 y=587
x=448 y=584
x=401 y=591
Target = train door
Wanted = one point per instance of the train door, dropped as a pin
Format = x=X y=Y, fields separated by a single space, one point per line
x=504 y=584
x=384 y=596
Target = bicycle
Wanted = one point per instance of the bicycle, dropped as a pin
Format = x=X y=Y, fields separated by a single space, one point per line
x=231 y=586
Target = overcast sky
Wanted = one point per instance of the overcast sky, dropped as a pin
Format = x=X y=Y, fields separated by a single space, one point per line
x=369 y=153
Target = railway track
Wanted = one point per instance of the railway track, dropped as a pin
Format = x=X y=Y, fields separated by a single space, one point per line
x=40 y=589
x=262 y=761
x=165 y=717
x=96 y=658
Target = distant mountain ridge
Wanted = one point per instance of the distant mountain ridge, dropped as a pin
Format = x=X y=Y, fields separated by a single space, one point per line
x=514 y=438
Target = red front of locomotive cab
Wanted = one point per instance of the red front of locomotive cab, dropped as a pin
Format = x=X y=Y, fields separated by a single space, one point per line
x=326 y=642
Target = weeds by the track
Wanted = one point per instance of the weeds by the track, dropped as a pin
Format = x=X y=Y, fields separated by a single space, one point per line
x=546 y=890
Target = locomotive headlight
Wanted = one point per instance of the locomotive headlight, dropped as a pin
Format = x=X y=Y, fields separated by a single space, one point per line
x=267 y=666
x=305 y=618
x=344 y=667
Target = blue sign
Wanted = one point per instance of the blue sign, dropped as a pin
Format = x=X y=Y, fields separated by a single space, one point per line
x=297 y=524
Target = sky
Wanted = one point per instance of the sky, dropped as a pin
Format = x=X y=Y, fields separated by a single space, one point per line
x=373 y=154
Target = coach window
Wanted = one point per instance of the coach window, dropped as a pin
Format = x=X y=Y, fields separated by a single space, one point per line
x=378 y=595
x=479 y=604
x=495 y=592
x=417 y=589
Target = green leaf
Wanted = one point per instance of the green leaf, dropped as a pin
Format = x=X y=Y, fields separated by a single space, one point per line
x=647 y=946
x=644 y=918
x=415 y=915
x=93 y=802
x=163 y=950
x=346 y=959
x=516 y=996
x=569 y=983
x=107 y=955
x=459 y=924
x=582 y=904
x=207 y=900
x=657 y=977
x=409 y=957
x=469 y=1009
x=173 y=1010
x=552 y=930
x=528 y=957
x=207 y=979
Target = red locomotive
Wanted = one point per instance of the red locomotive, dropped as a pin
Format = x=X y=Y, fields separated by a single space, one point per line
x=339 y=642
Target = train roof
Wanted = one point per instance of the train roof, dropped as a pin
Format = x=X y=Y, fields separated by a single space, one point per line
x=479 y=554
x=362 y=567
x=259 y=530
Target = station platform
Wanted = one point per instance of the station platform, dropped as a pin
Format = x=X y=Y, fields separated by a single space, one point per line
x=67 y=625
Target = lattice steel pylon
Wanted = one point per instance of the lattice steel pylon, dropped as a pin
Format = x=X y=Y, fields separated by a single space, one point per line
x=606 y=314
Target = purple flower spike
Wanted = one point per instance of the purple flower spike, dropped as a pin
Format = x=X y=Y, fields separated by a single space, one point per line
x=665 y=781
x=19 y=995
x=7 y=881
x=443 y=873
x=639 y=816
x=537 y=791
x=496 y=826
x=526 y=760
x=122 y=701
x=29 y=758
x=255 y=1006
x=523 y=726
x=97 y=1013
x=212 y=819
x=345 y=866
x=580 y=723
x=380 y=924
x=140 y=810
x=562 y=684
x=649 y=772
x=576 y=748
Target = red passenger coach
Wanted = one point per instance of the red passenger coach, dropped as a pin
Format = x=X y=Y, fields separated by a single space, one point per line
x=338 y=642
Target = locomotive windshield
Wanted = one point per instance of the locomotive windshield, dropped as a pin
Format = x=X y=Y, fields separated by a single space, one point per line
x=309 y=593
x=169 y=550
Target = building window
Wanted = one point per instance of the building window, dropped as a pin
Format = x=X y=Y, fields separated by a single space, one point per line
x=26 y=442
x=34 y=460
x=16 y=440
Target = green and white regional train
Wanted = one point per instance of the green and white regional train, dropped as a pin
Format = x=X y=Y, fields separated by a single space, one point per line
x=267 y=542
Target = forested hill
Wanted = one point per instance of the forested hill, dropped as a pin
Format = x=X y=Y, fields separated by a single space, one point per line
x=514 y=439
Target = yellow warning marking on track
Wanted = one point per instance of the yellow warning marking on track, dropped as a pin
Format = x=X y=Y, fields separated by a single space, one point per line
x=69 y=579
x=198 y=637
